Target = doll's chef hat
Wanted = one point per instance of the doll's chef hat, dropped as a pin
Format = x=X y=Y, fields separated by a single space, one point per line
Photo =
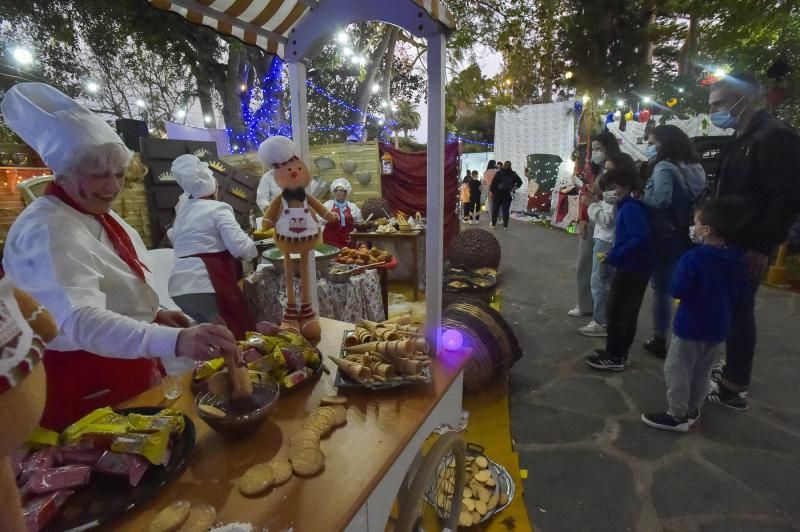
x=53 y=124
x=20 y=348
x=341 y=183
x=277 y=150
x=194 y=176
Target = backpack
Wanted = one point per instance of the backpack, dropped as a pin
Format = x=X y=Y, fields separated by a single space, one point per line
x=506 y=182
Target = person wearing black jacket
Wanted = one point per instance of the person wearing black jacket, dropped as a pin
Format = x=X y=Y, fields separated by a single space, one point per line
x=475 y=198
x=760 y=164
x=503 y=186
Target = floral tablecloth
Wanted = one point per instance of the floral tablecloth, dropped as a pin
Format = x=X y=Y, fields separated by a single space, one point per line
x=358 y=299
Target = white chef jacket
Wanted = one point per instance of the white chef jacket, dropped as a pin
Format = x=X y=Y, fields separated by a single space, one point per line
x=64 y=259
x=204 y=226
x=354 y=210
x=267 y=191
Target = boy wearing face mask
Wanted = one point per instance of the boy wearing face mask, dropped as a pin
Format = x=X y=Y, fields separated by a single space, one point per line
x=708 y=281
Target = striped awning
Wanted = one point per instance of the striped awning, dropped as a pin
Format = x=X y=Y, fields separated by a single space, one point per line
x=266 y=23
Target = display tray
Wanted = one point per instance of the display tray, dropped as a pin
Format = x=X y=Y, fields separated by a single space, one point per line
x=504 y=483
x=108 y=497
x=344 y=381
x=457 y=280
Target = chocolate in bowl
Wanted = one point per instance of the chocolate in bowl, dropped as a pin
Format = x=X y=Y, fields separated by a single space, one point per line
x=239 y=421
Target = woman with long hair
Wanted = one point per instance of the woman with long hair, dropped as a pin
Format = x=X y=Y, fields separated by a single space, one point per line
x=491 y=170
x=675 y=183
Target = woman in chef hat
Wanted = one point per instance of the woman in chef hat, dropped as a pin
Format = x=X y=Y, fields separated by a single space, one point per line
x=338 y=234
x=88 y=267
x=208 y=241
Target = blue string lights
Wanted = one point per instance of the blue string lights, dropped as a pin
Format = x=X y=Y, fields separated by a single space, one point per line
x=456 y=138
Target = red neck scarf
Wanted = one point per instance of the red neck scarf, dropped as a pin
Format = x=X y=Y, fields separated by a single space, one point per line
x=119 y=238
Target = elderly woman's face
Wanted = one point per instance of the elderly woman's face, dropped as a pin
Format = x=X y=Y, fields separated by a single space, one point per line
x=340 y=194
x=95 y=192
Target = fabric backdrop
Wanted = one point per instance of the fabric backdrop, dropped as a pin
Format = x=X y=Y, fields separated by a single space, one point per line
x=406 y=189
x=634 y=132
x=537 y=128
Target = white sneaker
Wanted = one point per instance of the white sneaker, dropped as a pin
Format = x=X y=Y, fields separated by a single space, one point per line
x=575 y=313
x=594 y=329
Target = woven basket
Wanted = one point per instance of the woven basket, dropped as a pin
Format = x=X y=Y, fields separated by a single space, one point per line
x=495 y=347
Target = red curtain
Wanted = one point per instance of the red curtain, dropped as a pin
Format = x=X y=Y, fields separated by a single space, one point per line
x=406 y=189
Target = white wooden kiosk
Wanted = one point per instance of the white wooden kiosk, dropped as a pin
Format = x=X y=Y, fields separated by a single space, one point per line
x=297 y=30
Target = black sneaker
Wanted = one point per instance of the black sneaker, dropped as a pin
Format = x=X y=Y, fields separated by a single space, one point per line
x=717 y=371
x=692 y=417
x=601 y=360
x=721 y=395
x=656 y=346
x=664 y=421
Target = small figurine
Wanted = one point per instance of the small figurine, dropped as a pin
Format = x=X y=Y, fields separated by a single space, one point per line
x=293 y=215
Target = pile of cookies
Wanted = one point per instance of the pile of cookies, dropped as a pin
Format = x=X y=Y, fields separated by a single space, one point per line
x=479 y=496
x=306 y=459
x=182 y=516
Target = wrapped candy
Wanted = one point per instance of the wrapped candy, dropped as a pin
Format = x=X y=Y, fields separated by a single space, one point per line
x=41 y=510
x=44 y=481
x=103 y=422
x=17 y=459
x=171 y=420
x=41 y=459
x=294 y=360
x=209 y=368
x=153 y=446
x=40 y=437
x=126 y=465
x=79 y=453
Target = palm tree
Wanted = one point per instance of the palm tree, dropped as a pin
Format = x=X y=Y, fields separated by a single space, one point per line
x=407 y=117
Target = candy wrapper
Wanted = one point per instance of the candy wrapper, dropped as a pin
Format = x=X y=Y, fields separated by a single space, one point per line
x=126 y=465
x=294 y=359
x=209 y=367
x=17 y=459
x=154 y=446
x=103 y=422
x=58 y=478
x=267 y=328
x=165 y=419
x=79 y=453
x=40 y=460
x=293 y=379
x=41 y=510
x=40 y=437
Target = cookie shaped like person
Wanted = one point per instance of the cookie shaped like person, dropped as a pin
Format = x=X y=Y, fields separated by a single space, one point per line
x=295 y=217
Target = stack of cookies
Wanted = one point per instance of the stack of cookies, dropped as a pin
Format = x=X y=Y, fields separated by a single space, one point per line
x=479 y=496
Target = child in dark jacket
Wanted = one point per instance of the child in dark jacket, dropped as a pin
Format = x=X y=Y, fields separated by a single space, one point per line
x=632 y=256
x=707 y=281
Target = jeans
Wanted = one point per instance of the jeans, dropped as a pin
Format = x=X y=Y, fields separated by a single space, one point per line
x=662 y=299
x=740 y=345
x=687 y=371
x=624 y=303
x=583 y=270
x=499 y=204
x=602 y=274
x=202 y=308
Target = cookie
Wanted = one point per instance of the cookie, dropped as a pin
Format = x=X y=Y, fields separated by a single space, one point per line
x=341 y=415
x=484 y=494
x=464 y=518
x=308 y=462
x=483 y=475
x=467 y=493
x=170 y=518
x=333 y=400
x=492 y=504
x=304 y=434
x=256 y=480
x=481 y=508
x=282 y=471
x=482 y=462
x=476 y=518
x=201 y=518
x=319 y=423
x=469 y=504
x=301 y=445
x=325 y=411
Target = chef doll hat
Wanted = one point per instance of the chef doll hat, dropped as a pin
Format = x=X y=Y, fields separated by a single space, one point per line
x=56 y=126
x=277 y=150
x=194 y=176
x=341 y=183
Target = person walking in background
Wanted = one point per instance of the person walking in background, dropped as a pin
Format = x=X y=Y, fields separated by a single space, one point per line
x=677 y=180
x=488 y=175
x=464 y=198
x=505 y=182
x=760 y=163
x=708 y=280
x=602 y=214
x=475 y=198
x=604 y=145
x=632 y=256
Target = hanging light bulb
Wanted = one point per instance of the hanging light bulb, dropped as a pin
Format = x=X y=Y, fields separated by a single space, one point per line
x=180 y=113
x=140 y=103
x=347 y=52
x=646 y=99
x=568 y=74
x=680 y=90
x=375 y=88
x=620 y=103
x=601 y=102
x=207 y=119
x=342 y=37
x=22 y=56
x=92 y=87
x=720 y=73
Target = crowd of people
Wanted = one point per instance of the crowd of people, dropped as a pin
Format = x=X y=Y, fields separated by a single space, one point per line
x=707 y=249
x=498 y=185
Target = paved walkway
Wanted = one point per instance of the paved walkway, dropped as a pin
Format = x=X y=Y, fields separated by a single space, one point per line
x=592 y=464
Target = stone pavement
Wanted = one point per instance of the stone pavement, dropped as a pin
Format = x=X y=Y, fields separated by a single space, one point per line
x=592 y=464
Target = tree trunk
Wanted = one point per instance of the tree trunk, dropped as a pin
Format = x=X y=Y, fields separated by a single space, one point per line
x=204 y=95
x=365 y=89
x=649 y=17
x=386 y=85
x=227 y=80
x=688 y=53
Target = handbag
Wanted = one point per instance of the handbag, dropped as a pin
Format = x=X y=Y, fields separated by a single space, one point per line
x=665 y=225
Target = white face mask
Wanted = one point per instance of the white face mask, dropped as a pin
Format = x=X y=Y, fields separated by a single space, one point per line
x=611 y=197
x=598 y=157
x=696 y=238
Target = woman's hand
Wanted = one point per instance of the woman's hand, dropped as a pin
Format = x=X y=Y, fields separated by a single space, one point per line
x=205 y=341
x=173 y=318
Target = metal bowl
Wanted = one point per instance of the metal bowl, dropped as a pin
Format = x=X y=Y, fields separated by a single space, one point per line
x=265 y=395
x=345 y=271
x=324 y=254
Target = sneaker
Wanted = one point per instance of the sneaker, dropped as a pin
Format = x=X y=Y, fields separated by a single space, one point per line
x=576 y=313
x=600 y=360
x=594 y=329
x=493 y=227
x=717 y=371
x=664 y=421
x=721 y=395
x=656 y=346
x=692 y=417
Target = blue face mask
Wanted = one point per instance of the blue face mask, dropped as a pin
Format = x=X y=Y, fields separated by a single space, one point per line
x=651 y=151
x=724 y=119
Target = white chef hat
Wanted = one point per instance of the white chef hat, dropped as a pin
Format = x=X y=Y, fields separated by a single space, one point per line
x=342 y=183
x=60 y=129
x=194 y=176
x=276 y=151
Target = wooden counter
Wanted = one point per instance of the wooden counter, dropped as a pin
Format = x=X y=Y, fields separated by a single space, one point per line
x=380 y=427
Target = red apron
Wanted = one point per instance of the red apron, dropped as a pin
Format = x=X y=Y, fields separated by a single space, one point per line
x=336 y=234
x=225 y=271
x=79 y=382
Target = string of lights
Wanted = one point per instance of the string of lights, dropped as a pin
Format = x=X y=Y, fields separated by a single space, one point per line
x=456 y=138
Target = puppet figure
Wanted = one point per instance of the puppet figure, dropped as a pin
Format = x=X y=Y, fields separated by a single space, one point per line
x=295 y=217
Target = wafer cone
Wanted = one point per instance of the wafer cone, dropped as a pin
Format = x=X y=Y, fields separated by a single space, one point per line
x=357 y=371
x=392 y=349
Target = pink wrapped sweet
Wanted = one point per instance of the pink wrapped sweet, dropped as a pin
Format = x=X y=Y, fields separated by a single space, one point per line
x=41 y=510
x=268 y=329
x=127 y=465
x=58 y=478
x=251 y=355
x=79 y=454
x=41 y=459
x=294 y=359
x=17 y=459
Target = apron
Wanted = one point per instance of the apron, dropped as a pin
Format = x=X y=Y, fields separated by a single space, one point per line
x=296 y=225
x=79 y=382
x=225 y=271
x=335 y=233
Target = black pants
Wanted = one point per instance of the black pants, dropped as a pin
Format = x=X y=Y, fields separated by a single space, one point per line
x=624 y=301
x=467 y=207
x=501 y=203
x=740 y=346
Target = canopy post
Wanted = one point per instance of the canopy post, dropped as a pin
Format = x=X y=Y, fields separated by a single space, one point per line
x=434 y=252
x=299 y=99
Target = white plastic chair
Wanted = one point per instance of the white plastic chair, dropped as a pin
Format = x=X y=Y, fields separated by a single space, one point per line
x=162 y=261
x=33 y=187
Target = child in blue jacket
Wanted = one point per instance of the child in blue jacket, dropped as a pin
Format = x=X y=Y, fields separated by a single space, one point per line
x=707 y=281
x=632 y=256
